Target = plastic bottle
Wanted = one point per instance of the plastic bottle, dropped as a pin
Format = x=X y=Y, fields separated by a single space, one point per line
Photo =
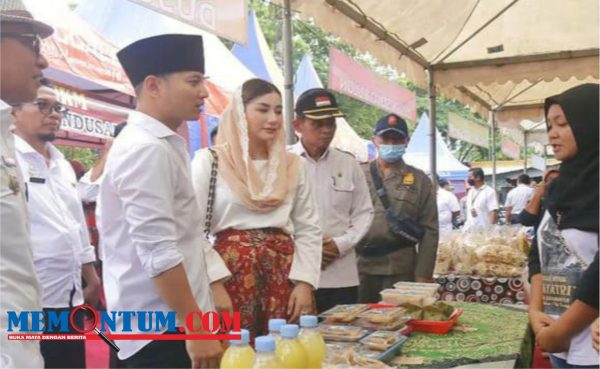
x=275 y=328
x=290 y=350
x=312 y=341
x=265 y=354
x=239 y=355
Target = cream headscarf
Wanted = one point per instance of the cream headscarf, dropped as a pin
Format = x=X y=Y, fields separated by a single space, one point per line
x=237 y=167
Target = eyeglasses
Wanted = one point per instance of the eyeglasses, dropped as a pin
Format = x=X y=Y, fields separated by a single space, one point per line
x=30 y=40
x=46 y=107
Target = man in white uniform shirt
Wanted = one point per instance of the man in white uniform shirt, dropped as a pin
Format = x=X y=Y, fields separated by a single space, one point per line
x=21 y=66
x=342 y=195
x=447 y=206
x=517 y=199
x=482 y=202
x=61 y=245
x=149 y=220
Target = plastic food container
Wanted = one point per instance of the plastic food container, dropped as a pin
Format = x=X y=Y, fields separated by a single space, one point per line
x=343 y=333
x=429 y=289
x=435 y=327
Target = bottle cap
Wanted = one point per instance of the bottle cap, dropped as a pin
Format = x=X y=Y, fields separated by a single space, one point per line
x=275 y=324
x=264 y=344
x=290 y=331
x=244 y=340
x=308 y=321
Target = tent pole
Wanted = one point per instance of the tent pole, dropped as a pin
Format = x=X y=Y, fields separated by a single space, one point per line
x=525 y=152
x=493 y=147
x=287 y=72
x=432 y=135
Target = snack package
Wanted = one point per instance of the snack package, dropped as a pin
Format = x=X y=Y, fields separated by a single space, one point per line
x=343 y=313
x=391 y=326
x=397 y=297
x=428 y=289
x=345 y=333
x=386 y=315
x=381 y=340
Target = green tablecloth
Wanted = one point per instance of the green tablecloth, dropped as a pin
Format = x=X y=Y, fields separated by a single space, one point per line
x=485 y=333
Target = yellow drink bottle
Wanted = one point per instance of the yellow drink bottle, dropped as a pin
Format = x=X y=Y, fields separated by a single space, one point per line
x=312 y=341
x=275 y=328
x=239 y=355
x=265 y=354
x=290 y=350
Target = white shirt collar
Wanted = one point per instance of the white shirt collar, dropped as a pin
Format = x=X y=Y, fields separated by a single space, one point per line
x=299 y=149
x=4 y=106
x=25 y=148
x=150 y=124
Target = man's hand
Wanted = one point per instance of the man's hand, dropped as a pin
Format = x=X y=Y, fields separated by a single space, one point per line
x=300 y=301
x=539 y=320
x=330 y=253
x=596 y=333
x=204 y=354
x=91 y=294
x=548 y=339
x=222 y=300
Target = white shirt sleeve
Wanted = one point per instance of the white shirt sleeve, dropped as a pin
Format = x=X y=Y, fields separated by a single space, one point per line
x=308 y=239
x=510 y=202
x=453 y=202
x=492 y=200
x=201 y=167
x=361 y=214
x=147 y=197
x=88 y=190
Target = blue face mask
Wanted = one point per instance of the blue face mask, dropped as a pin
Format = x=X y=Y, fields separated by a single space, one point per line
x=391 y=153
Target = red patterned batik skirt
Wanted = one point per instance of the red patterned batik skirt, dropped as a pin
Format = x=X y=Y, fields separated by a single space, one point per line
x=260 y=262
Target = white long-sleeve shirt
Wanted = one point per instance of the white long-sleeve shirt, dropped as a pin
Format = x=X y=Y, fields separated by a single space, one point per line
x=59 y=235
x=88 y=189
x=19 y=287
x=297 y=216
x=518 y=198
x=149 y=221
x=344 y=206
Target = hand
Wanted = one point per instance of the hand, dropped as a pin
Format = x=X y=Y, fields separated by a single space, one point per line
x=91 y=294
x=539 y=320
x=300 y=301
x=330 y=253
x=596 y=333
x=423 y=279
x=222 y=300
x=204 y=354
x=549 y=341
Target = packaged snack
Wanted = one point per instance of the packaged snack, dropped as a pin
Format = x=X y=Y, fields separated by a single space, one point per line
x=343 y=313
x=345 y=333
x=397 y=297
x=383 y=315
x=428 y=289
x=391 y=326
x=381 y=340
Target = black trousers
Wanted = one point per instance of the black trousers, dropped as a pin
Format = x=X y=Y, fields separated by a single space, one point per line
x=64 y=354
x=326 y=298
x=159 y=354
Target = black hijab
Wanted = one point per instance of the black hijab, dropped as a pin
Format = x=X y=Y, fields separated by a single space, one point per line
x=572 y=198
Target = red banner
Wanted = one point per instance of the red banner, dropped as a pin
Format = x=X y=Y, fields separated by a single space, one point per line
x=351 y=78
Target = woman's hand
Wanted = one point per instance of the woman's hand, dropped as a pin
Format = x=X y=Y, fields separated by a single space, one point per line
x=301 y=301
x=222 y=300
x=539 y=320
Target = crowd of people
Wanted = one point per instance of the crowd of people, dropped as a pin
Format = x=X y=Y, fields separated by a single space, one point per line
x=249 y=224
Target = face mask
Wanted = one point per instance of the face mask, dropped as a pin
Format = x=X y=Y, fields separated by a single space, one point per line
x=471 y=182
x=392 y=153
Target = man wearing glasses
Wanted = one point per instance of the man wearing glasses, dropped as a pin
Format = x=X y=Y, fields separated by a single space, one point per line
x=62 y=252
x=21 y=68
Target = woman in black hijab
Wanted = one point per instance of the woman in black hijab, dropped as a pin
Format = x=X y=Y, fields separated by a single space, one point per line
x=568 y=233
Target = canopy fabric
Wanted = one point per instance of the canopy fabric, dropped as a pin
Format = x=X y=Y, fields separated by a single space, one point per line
x=123 y=22
x=550 y=44
x=417 y=153
x=256 y=56
x=345 y=137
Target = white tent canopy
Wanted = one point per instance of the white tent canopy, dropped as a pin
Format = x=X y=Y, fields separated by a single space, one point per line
x=487 y=54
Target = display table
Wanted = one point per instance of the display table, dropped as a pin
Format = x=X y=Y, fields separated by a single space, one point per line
x=485 y=333
x=481 y=289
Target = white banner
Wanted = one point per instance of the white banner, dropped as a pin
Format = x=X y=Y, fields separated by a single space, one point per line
x=467 y=130
x=226 y=18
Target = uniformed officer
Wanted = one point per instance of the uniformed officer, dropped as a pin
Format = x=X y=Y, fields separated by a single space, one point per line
x=342 y=195
x=386 y=258
x=21 y=66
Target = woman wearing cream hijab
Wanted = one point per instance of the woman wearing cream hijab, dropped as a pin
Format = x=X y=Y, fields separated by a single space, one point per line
x=267 y=253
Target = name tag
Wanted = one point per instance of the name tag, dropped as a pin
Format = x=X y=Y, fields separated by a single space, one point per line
x=37 y=180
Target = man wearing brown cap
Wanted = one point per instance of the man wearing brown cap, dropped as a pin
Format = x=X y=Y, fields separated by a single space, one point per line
x=149 y=221
x=21 y=66
x=343 y=200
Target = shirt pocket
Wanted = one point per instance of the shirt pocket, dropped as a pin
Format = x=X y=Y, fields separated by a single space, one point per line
x=406 y=200
x=9 y=178
x=341 y=190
